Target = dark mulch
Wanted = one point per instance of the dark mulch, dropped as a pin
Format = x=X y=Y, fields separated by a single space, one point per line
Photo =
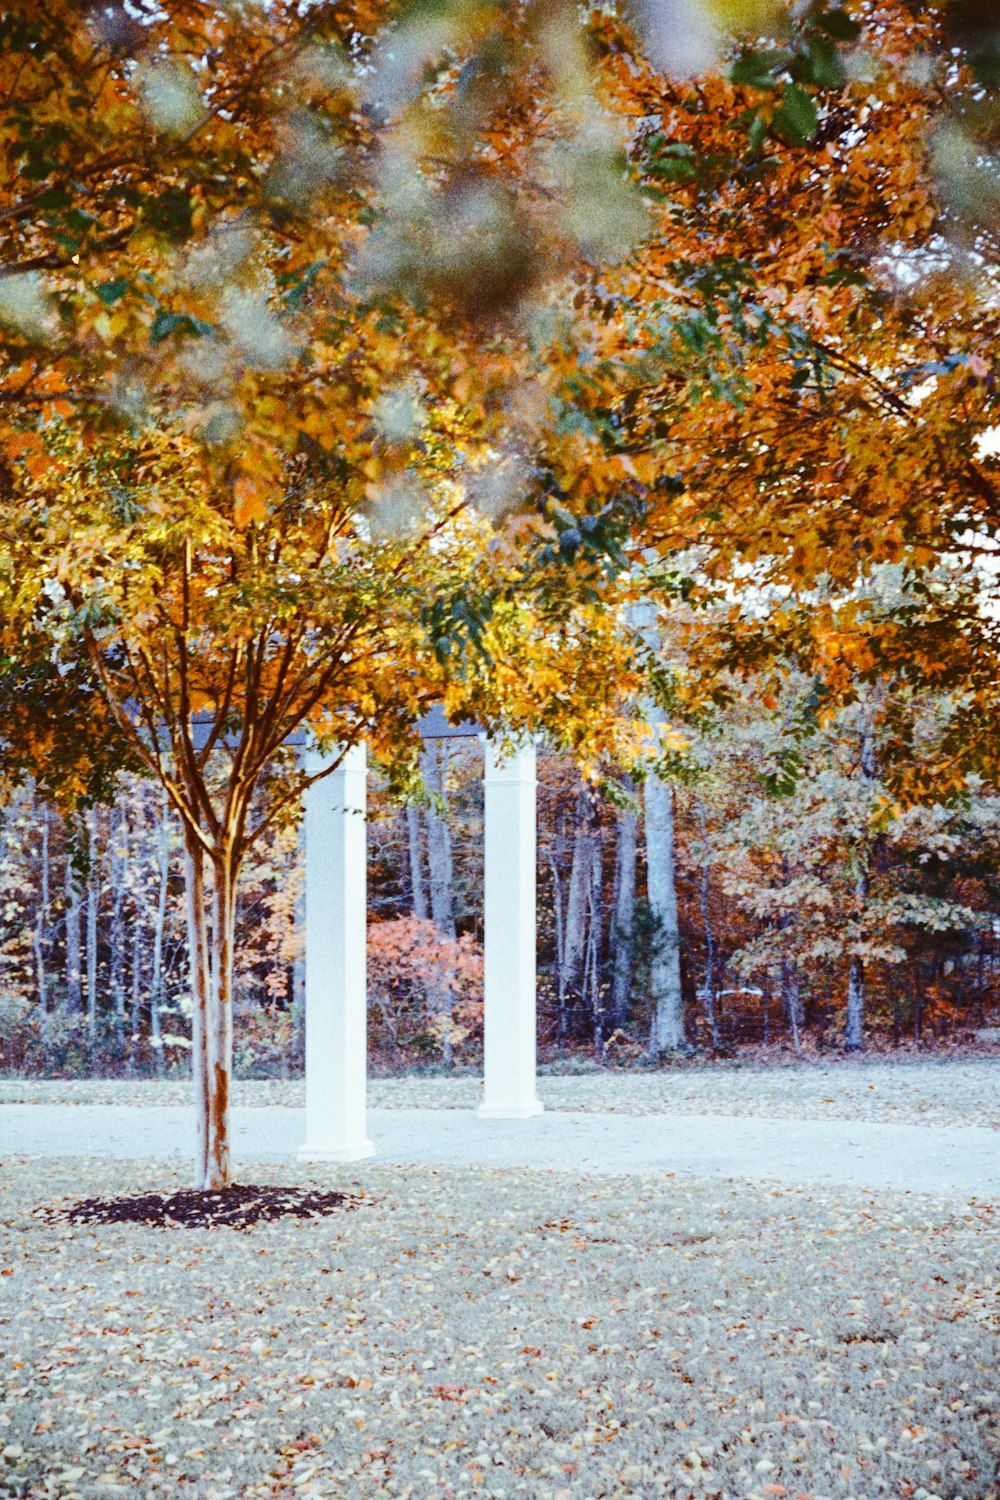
x=236 y=1207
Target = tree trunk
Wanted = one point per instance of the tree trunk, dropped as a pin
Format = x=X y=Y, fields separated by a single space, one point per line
x=159 y=924
x=93 y=896
x=667 y=1026
x=211 y=949
x=854 y=1029
x=418 y=884
x=557 y=909
x=440 y=868
x=708 y=982
x=439 y=855
x=624 y=918
x=119 y=866
x=854 y=1033
x=136 y=972
x=791 y=993
x=74 y=977
x=41 y=939
x=595 y=940
x=791 y=1001
x=219 y=1025
x=198 y=971
x=575 y=927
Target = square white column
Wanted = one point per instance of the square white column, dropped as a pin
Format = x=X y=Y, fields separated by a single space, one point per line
x=336 y=962
x=510 y=927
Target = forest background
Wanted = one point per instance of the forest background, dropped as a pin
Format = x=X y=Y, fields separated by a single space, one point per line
x=765 y=920
x=736 y=397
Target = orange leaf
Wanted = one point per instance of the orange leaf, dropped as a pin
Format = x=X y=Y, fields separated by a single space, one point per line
x=249 y=501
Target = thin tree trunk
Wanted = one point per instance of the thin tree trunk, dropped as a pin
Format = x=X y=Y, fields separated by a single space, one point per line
x=854 y=1028
x=418 y=883
x=708 y=983
x=156 y=978
x=791 y=993
x=440 y=868
x=595 y=939
x=854 y=1033
x=791 y=1000
x=118 y=868
x=557 y=908
x=198 y=962
x=219 y=1026
x=575 y=930
x=93 y=895
x=74 y=976
x=667 y=1026
x=41 y=917
x=623 y=929
x=137 y=913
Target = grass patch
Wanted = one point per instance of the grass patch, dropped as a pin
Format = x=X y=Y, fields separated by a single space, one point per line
x=491 y=1334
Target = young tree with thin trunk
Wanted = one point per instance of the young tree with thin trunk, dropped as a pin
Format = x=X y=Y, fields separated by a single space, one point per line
x=440 y=869
x=72 y=915
x=623 y=918
x=666 y=1032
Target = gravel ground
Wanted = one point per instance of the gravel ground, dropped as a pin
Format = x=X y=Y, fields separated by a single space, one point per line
x=932 y=1093
x=481 y=1333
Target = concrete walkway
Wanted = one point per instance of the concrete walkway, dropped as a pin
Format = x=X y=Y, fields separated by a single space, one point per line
x=963 y=1161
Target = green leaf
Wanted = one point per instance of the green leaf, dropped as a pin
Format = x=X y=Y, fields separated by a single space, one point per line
x=824 y=64
x=170 y=213
x=756 y=69
x=672 y=169
x=795 y=121
x=111 y=292
x=756 y=133
x=838 y=24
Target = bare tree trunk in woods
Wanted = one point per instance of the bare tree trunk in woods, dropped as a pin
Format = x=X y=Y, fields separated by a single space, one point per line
x=575 y=928
x=708 y=982
x=854 y=1028
x=791 y=992
x=624 y=914
x=667 y=1028
x=93 y=895
x=791 y=1000
x=163 y=883
x=557 y=908
x=595 y=938
x=434 y=764
x=418 y=883
x=439 y=855
x=136 y=971
x=666 y=1032
x=74 y=976
x=853 y=1033
x=41 y=938
x=118 y=868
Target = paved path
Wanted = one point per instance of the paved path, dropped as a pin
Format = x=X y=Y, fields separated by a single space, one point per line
x=955 y=1160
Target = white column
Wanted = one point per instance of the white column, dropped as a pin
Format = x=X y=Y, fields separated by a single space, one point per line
x=509 y=1023
x=336 y=933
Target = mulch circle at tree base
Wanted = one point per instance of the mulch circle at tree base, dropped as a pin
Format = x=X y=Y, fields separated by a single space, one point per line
x=236 y=1207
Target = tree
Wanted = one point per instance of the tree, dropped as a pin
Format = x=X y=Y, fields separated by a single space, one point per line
x=266 y=408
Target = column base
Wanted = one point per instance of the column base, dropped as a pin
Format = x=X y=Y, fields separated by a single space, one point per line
x=353 y=1151
x=511 y=1111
